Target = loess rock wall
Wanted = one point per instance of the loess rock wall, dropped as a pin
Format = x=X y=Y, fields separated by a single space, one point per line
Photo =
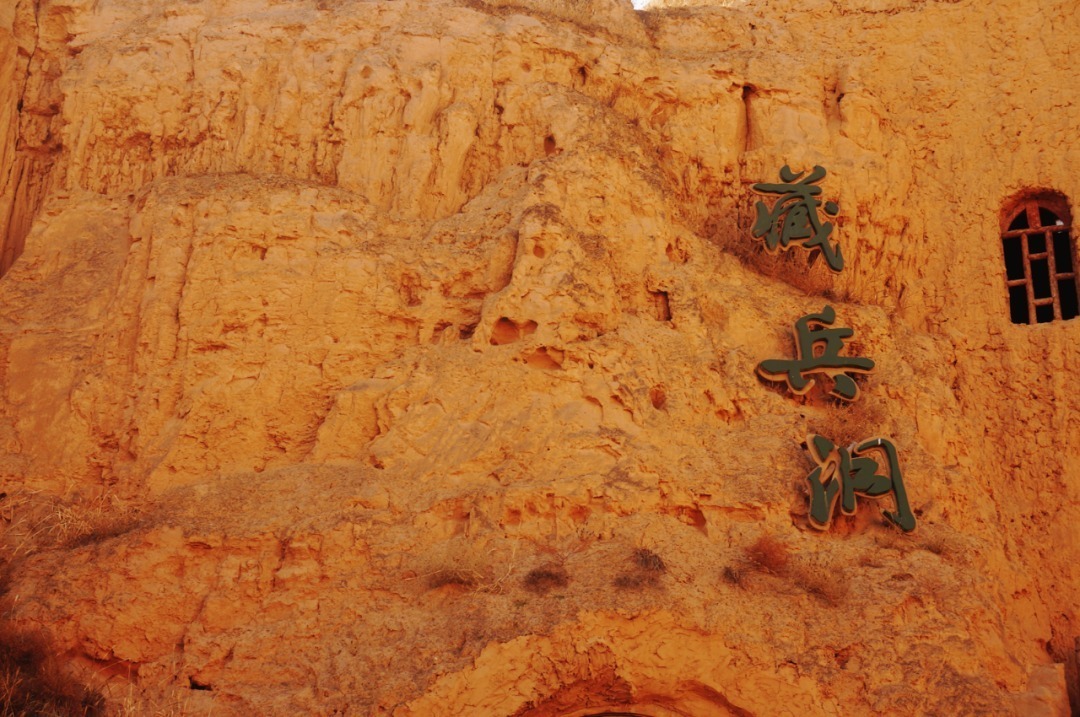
x=398 y=357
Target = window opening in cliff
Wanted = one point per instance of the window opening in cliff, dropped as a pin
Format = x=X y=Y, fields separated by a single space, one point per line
x=1038 y=250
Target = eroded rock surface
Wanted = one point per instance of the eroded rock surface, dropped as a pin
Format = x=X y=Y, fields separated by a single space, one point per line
x=398 y=357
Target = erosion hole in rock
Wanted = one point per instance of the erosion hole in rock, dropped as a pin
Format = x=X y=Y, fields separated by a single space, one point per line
x=507 y=331
x=601 y=691
x=538 y=251
x=410 y=290
x=676 y=254
x=1037 y=246
x=196 y=685
x=437 y=332
x=749 y=92
x=662 y=305
x=549 y=145
x=545 y=358
x=658 y=397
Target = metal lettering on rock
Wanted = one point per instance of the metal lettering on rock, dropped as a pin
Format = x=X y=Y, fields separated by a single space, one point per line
x=794 y=218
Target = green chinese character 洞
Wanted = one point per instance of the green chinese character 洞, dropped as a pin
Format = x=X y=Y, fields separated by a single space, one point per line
x=849 y=472
x=794 y=217
x=827 y=361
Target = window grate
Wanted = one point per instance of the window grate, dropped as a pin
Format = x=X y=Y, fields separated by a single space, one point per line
x=1039 y=274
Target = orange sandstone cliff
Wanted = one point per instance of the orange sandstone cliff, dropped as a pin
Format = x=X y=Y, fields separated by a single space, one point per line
x=397 y=357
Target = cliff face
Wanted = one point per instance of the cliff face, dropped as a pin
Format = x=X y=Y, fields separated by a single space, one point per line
x=398 y=357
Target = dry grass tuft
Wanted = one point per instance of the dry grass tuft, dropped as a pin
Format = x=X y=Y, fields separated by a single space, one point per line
x=734 y=575
x=466 y=566
x=32 y=683
x=457 y=578
x=92 y=522
x=33 y=522
x=940 y=542
x=139 y=704
x=633 y=581
x=795 y=267
x=649 y=561
x=646 y=571
x=830 y=587
x=769 y=555
x=543 y=579
x=850 y=422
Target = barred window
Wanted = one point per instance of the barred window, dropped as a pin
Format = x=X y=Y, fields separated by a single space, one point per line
x=1039 y=269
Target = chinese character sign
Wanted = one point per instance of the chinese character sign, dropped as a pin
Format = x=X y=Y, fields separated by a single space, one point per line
x=845 y=473
x=818 y=351
x=870 y=469
x=794 y=217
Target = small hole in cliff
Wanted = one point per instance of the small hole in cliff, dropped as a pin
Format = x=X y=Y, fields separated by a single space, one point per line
x=545 y=358
x=506 y=331
x=676 y=254
x=538 y=251
x=583 y=74
x=549 y=145
x=437 y=332
x=662 y=305
x=467 y=331
x=18 y=106
x=498 y=109
x=658 y=396
x=410 y=290
x=196 y=685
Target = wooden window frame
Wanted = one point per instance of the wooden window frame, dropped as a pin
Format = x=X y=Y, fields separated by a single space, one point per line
x=1031 y=204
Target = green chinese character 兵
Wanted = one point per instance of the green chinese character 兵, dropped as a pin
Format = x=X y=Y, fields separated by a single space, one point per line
x=809 y=335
